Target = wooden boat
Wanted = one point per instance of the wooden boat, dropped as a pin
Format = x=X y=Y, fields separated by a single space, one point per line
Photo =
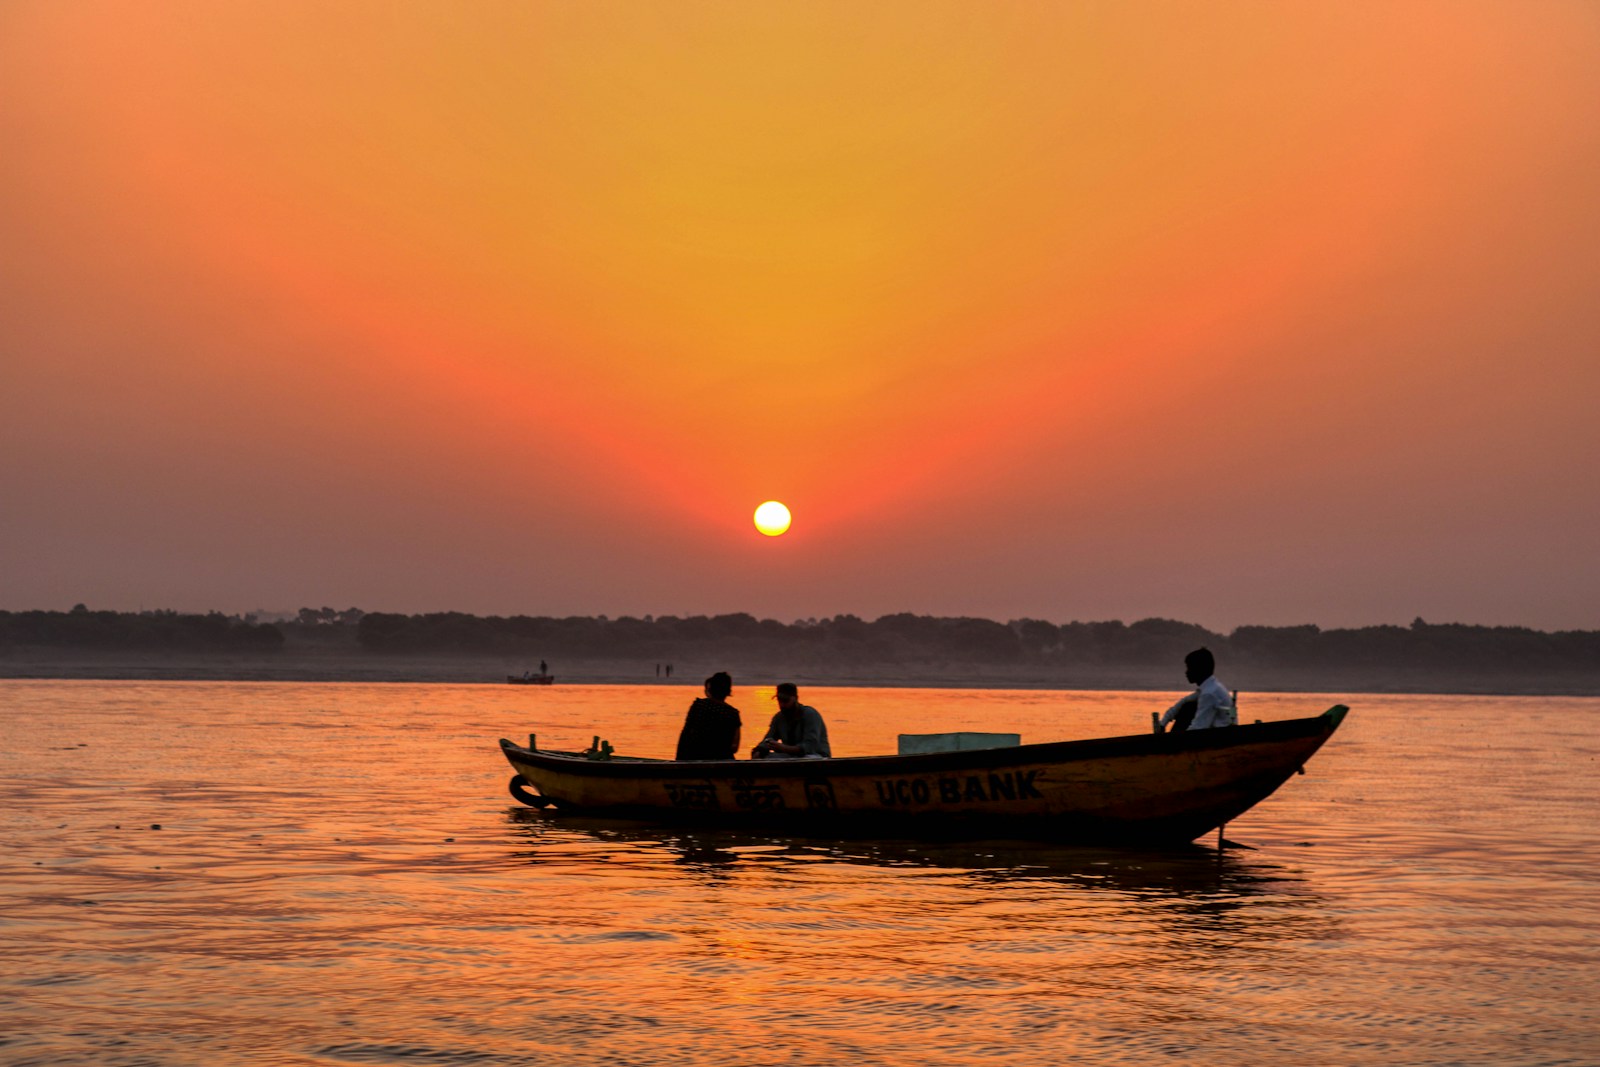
x=531 y=679
x=1145 y=788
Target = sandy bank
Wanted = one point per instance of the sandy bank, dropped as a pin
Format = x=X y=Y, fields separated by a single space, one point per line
x=347 y=665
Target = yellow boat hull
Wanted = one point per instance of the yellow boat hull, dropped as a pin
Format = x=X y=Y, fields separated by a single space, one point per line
x=1141 y=788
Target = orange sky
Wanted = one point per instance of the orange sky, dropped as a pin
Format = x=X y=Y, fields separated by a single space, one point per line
x=1226 y=312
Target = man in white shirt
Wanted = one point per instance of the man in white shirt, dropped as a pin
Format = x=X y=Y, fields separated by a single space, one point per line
x=797 y=730
x=1211 y=706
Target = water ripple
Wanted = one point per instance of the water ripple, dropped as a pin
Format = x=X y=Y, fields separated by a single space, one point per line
x=333 y=882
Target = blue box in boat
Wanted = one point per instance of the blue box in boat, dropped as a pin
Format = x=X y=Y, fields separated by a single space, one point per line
x=966 y=741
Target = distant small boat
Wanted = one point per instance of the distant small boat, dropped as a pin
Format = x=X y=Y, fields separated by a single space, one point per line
x=530 y=679
x=1140 y=789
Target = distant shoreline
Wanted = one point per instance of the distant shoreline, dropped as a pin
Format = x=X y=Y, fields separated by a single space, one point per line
x=347 y=666
x=903 y=650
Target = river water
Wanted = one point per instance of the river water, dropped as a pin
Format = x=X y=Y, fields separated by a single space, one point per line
x=340 y=878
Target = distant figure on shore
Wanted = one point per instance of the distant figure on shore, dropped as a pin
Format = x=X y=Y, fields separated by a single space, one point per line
x=797 y=729
x=544 y=668
x=1211 y=706
x=669 y=670
x=658 y=670
x=711 y=728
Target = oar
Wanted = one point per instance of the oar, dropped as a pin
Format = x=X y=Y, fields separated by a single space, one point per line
x=1223 y=842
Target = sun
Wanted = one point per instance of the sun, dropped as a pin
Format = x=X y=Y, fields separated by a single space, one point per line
x=772 y=518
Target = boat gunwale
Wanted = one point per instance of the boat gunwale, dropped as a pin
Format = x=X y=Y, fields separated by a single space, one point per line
x=1041 y=752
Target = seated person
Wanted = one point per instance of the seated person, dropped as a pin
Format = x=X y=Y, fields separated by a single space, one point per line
x=1211 y=706
x=796 y=730
x=711 y=728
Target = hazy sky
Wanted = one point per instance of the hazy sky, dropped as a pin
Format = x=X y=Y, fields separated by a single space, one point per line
x=1229 y=312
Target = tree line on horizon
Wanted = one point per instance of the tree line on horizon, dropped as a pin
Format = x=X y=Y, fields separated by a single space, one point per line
x=843 y=639
x=909 y=638
x=146 y=630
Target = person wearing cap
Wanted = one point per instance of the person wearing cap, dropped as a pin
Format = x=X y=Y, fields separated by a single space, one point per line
x=797 y=729
x=711 y=727
x=1211 y=705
